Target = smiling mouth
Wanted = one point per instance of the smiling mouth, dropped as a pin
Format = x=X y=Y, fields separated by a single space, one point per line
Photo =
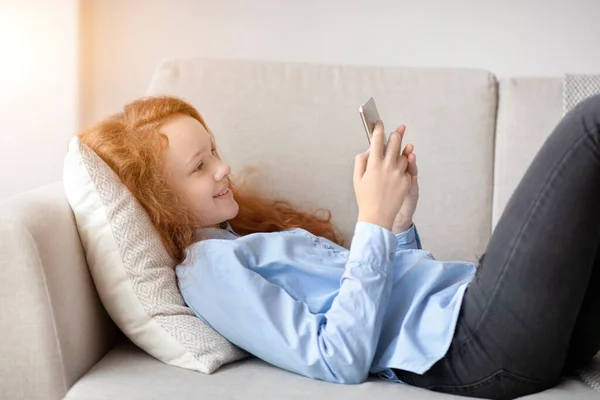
x=222 y=193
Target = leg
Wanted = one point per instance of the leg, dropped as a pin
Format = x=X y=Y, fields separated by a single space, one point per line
x=528 y=295
x=520 y=311
x=585 y=340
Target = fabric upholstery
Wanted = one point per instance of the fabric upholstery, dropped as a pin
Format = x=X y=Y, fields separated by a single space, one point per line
x=133 y=272
x=528 y=111
x=300 y=123
x=128 y=373
x=303 y=121
x=577 y=88
x=53 y=325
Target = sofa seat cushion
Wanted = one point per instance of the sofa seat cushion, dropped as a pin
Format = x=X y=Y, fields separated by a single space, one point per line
x=129 y=373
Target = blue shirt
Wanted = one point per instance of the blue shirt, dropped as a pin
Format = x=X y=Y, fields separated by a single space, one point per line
x=308 y=305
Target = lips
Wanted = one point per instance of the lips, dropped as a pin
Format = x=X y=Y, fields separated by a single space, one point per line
x=222 y=192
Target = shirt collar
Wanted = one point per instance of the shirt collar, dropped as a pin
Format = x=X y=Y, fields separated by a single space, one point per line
x=217 y=233
x=229 y=228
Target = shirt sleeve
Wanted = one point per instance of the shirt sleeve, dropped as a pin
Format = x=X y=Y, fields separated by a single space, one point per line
x=409 y=239
x=263 y=319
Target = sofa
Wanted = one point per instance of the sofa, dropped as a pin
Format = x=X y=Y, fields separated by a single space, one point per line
x=474 y=136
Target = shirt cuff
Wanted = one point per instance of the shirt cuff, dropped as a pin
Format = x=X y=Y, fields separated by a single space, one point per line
x=372 y=244
x=408 y=237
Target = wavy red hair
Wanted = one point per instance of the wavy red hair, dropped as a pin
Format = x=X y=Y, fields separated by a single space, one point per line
x=131 y=143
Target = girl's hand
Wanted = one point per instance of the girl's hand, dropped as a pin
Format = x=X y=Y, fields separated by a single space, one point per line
x=381 y=179
x=404 y=218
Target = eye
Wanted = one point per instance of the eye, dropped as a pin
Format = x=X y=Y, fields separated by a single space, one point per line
x=199 y=167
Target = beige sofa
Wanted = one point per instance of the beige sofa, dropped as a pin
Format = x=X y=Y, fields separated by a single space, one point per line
x=474 y=137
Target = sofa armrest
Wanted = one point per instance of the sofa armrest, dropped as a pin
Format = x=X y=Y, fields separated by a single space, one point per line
x=53 y=325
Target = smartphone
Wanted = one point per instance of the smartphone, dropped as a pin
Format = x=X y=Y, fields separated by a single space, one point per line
x=369 y=115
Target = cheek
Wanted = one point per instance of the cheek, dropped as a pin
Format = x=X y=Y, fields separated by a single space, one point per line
x=202 y=192
x=199 y=195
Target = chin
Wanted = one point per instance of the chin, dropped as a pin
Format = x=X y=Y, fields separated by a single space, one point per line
x=235 y=208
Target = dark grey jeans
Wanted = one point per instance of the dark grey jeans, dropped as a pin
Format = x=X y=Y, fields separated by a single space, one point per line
x=532 y=312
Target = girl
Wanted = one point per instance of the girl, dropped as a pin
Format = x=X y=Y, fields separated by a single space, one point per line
x=276 y=281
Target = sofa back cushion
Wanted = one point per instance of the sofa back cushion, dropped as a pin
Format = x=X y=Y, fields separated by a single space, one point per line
x=301 y=123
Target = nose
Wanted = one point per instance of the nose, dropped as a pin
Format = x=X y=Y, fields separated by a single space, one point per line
x=223 y=171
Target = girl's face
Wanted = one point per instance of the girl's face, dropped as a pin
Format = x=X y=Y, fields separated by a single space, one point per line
x=193 y=171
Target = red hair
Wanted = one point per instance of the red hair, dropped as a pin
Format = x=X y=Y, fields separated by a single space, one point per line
x=131 y=143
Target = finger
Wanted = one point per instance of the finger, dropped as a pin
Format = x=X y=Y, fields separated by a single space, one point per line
x=360 y=165
x=412 y=164
x=401 y=131
x=401 y=128
x=396 y=140
x=403 y=163
x=392 y=149
x=408 y=149
x=377 y=142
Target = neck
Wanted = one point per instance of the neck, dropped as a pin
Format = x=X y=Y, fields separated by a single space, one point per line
x=222 y=225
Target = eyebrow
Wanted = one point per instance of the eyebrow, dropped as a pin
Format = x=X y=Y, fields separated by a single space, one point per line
x=199 y=153
x=196 y=155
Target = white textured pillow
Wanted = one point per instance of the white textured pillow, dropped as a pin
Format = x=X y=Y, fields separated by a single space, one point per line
x=132 y=271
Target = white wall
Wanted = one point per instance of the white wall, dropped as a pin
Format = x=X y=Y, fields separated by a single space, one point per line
x=122 y=41
x=510 y=37
x=39 y=86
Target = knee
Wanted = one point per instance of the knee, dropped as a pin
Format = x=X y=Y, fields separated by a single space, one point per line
x=589 y=109
x=586 y=114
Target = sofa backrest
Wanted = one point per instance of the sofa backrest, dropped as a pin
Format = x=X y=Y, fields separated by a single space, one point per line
x=301 y=123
